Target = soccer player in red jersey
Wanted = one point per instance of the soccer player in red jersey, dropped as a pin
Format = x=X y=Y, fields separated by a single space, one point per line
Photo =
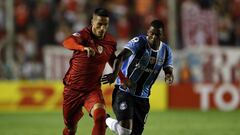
x=92 y=48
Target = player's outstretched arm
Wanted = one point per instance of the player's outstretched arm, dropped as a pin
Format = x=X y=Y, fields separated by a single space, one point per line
x=110 y=78
x=71 y=43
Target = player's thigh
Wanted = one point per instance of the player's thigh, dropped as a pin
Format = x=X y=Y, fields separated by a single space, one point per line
x=140 y=115
x=72 y=106
x=122 y=105
x=94 y=100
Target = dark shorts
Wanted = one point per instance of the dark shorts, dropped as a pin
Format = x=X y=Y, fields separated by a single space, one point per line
x=126 y=106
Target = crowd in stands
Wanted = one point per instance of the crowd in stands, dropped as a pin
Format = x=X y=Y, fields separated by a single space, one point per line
x=39 y=23
x=207 y=66
x=209 y=23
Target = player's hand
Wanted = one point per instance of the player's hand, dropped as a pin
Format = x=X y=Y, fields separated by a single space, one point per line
x=90 y=51
x=169 y=79
x=108 y=78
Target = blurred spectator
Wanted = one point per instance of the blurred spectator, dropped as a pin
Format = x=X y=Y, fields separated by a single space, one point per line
x=28 y=42
x=236 y=72
x=237 y=33
x=205 y=4
x=32 y=69
x=162 y=13
x=45 y=24
x=224 y=69
x=81 y=21
x=143 y=7
x=21 y=15
x=120 y=10
x=198 y=24
x=225 y=30
x=185 y=72
x=62 y=32
x=28 y=54
x=2 y=21
x=123 y=28
x=208 y=69
x=235 y=9
x=225 y=24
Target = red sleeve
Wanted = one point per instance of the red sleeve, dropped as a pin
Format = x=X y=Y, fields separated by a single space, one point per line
x=72 y=43
x=122 y=77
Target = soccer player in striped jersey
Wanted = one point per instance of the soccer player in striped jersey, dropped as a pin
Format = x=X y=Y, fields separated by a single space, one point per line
x=141 y=62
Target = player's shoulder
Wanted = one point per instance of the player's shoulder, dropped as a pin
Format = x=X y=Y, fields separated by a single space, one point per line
x=83 y=34
x=165 y=46
x=140 y=39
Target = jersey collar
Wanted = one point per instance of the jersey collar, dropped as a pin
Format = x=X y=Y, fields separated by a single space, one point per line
x=159 y=48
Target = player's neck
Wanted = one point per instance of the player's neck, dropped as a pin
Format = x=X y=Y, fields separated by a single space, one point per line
x=97 y=37
x=155 y=46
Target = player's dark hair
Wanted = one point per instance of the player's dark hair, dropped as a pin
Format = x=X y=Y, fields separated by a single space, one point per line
x=157 y=24
x=101 y=12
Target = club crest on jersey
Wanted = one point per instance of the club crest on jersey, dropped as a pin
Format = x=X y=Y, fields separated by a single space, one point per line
x=123 y=105
x=152 y=60
x=100 y=49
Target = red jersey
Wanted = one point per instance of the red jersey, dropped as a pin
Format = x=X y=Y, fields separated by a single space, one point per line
x=85 y=72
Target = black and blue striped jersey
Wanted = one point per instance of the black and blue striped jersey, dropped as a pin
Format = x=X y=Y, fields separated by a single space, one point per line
x=144 y=65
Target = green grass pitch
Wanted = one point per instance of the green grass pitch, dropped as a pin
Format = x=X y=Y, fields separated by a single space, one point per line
x=184 y=122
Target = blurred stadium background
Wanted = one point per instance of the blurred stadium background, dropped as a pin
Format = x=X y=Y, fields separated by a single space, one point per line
x=204 y=34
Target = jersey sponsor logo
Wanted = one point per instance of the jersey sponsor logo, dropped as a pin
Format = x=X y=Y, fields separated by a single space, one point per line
x=152 y=60
x=100 y=49
x=123 y=106
x=149 y=70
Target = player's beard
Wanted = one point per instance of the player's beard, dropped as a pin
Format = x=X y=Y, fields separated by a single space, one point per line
x=100 y=34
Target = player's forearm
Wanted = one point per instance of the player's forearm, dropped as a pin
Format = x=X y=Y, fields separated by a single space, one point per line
x=113 y=63
x=117 y=65
x=71 y=44
x=117 y=71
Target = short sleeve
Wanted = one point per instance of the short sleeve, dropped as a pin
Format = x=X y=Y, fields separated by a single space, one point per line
x=169 y=58
x=133 y=45
x=76 y=34
x=81 y=37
